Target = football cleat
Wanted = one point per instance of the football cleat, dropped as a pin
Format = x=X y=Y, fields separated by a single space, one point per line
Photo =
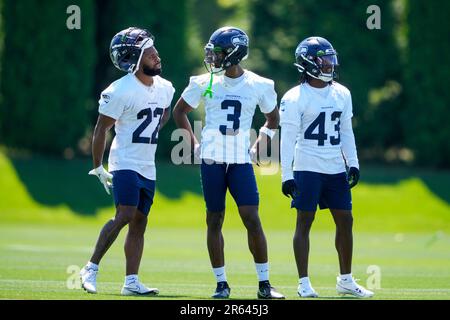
x=352 y=288
x=266 y=291
x=306 y=291
x=222 y=291
x=136 y=288
x=89 y=279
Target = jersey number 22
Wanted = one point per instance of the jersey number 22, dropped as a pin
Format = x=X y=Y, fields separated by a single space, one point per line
x=149 y=117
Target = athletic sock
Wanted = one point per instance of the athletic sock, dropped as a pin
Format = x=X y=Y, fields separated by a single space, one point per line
x=91 y=265
x=262 y=270
x=131 y=278
x=347 y=278
x=220 y=274
x=304 y=281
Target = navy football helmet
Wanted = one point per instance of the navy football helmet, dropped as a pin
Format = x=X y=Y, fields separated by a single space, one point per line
x=127 y=47
x=316 y=57
x=232 y=43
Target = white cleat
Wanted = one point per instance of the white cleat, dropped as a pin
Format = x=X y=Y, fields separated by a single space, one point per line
x=138 y=289
x=306 y=291
x=89 y=280
x=353 y=289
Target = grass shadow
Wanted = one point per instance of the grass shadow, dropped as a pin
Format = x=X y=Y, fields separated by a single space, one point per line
x=438 y=181
x=54 y=182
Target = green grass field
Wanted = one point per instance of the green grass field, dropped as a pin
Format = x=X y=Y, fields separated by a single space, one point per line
x=51 y=213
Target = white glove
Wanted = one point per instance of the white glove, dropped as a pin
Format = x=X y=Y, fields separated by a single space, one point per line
x=254 y=156
x=104 y=176
x=197 y=151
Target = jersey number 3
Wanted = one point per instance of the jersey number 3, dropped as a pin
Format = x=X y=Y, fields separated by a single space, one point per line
x=148 y=114
x=321 y=136
x=234 y=117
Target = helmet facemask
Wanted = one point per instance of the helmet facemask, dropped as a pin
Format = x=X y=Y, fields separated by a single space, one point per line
x=143 y=44
x=217 y=59
x=326 y=65
x=322 y=67
x=214 y=58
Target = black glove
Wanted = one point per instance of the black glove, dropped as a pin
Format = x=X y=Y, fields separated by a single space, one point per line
x=353 y=176
x=289 y=188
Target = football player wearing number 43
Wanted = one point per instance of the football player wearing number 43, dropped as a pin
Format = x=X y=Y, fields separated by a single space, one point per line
x=138 y=105
x=230 y=100
x=316 y=143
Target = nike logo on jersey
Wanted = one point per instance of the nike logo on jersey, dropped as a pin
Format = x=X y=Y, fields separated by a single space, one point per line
x=106 y=98
x=330 y=107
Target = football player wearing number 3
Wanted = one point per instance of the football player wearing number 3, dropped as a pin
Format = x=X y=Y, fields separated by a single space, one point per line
x=230 y=100
x=317 y=143
x=138 y=105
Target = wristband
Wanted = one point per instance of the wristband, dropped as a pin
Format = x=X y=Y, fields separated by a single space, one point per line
x=269 y=132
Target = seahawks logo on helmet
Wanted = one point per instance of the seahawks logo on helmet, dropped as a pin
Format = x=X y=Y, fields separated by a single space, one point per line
x=239 y=40
x=301 y=50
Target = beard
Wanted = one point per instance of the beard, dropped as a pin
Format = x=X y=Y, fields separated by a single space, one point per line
x=151 y=72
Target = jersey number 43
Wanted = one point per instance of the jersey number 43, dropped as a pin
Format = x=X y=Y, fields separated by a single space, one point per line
x=321 y=135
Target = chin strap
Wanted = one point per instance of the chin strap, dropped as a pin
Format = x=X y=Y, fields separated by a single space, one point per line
x=208 y=91
x=145 y=45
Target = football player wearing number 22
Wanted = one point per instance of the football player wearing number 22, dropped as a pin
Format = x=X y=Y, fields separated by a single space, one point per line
x=230 y=95
x=317 y=144
x=138 y=105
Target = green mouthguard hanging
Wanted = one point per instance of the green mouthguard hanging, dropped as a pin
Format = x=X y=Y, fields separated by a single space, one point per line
x=208 y=91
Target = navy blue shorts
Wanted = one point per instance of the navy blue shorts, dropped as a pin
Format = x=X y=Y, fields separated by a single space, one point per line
x=132 y=189
x=238 y=178
x=326 y=190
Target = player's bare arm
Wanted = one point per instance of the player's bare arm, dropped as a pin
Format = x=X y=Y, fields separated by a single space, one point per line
x=104 y=124
x=267 y=131
x=180 y=111
x=165 y=117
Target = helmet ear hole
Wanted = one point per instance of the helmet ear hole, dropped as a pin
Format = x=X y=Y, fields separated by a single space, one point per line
x=126 y=58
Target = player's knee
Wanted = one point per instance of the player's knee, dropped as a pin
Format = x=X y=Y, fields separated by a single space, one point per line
x=346 y=221
x=305 y=220
x=138 y=224
x=214 y=220
x=124 y=216
x=253 y=224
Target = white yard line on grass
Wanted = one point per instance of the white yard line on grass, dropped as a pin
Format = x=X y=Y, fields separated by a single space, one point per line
x=56 y=282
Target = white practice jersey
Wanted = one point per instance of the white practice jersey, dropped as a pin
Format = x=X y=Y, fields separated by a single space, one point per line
x=229 y=113
x=316 y=130
x=137 y=109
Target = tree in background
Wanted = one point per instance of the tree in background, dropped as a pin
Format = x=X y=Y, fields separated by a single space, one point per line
x=46 y=75
x=51 y=77
x=425 y=119
x=369 y=59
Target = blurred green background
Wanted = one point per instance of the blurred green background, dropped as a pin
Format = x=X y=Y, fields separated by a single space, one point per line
x=50 y=81
x=51 y=76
